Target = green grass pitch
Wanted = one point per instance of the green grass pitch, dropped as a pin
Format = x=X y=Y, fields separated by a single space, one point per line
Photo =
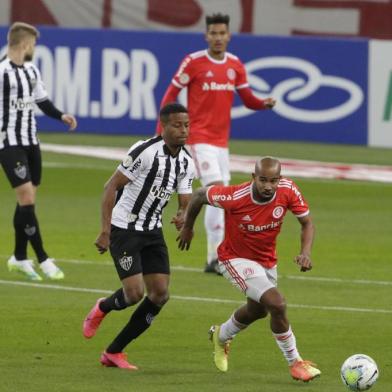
x=342 y=307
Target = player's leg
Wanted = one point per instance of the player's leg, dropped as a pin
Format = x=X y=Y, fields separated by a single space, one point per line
x=208 y=168
x=47 y=264
x=155 y=265
x=285 y=338
x=16 y=166
x=251 y=279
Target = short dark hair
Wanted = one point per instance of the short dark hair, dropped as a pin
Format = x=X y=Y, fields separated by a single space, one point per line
x=217 y=18
x=170 y=108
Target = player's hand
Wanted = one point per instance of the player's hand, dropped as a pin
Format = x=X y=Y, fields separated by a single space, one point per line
x=184 y=239
x=178 y=220
x=102 y=242
x=304 y=262
x=269 y=103
x=69 y=120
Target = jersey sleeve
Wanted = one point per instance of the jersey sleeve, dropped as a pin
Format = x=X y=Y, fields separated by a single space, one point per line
x=39 y=90
x=184 y=73
x=185 y=183
x=297 y=203
x=241 y=80
x=220 y=196
x=132 y=167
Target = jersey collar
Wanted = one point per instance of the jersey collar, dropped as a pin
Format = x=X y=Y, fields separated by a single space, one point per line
x=214 y=60
x=258 y=202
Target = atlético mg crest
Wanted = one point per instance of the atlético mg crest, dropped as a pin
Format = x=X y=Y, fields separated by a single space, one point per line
x=126 y=262
x=20 y=171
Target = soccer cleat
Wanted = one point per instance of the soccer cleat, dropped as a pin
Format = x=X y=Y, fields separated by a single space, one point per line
x=212 y=267
x=50 y=270
x=304 y=371
x=221 y=350
x=23 y=266
x=93 y=320
x=119 y=360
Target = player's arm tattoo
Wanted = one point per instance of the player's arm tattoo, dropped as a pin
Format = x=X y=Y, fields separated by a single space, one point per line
x=199 y=198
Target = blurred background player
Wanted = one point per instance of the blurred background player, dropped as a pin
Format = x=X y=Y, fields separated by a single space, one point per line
x=254 y=213
x=211 y=77
x=20 y=87
x=148 y=176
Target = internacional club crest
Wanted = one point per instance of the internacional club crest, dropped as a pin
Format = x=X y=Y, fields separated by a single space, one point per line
x=277 y=212
x=126 y=262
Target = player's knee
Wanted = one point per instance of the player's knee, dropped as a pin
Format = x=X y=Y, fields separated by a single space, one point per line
x=277 y=308
x=133 y=295
x=159 y=297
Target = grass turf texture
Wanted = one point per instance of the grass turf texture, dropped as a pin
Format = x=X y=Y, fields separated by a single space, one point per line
x=41 y=342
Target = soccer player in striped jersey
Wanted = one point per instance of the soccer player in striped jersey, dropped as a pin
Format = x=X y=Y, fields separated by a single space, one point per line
x=21 y=87
x=212 y=77
x=132 y=228
x=254 y=213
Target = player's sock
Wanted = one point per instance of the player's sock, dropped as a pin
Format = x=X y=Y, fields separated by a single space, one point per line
x=287 y=344
x=214 y=221
x=21 y=240
x=115 y=302
x=230 y=328
x=141 y=319
x=31 y=228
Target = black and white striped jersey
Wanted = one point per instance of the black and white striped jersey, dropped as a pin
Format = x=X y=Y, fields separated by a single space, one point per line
x=154 y=175
x=20 y=88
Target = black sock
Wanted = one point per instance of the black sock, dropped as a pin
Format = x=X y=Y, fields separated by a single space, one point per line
x=31 y=229
x=21 y=240
x=141 y=319
x=115 y=302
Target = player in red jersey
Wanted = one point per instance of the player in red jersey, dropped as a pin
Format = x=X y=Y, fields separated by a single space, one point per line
x=211 y=77
x=254 y=213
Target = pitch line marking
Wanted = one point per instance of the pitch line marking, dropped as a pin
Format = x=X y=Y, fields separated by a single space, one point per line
x=292 y=277
x=189 y=298
x=199 y=270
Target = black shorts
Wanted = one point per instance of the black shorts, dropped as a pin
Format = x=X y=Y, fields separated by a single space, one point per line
x=136 y=252
x=22 y=164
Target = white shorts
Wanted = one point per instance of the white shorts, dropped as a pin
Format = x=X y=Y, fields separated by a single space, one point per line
x=249 y=277
x=212 y=163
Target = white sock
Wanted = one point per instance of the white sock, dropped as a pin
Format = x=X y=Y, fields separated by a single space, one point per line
x=230 y=328
x=214 y=221
x=287 y=344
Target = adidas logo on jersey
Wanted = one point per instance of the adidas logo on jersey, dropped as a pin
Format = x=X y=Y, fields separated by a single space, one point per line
x=209 y=74
x=213 y=86
x=246 y=218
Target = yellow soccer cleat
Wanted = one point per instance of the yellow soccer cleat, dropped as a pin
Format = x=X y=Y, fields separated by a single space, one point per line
x=221 y=350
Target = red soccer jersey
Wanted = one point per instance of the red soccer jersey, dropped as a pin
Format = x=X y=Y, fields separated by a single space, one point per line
x=211 y=85
x=251 y=227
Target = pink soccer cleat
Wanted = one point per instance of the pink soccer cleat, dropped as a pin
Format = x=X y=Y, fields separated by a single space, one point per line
x=304 y=371
x=119 y=360
x=93 y=320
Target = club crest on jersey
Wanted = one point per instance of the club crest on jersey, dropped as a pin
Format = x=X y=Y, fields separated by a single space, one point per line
x=278 y=212
x=126 y=262
x=231 y=73
x=184 y=78
x=20 y=171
